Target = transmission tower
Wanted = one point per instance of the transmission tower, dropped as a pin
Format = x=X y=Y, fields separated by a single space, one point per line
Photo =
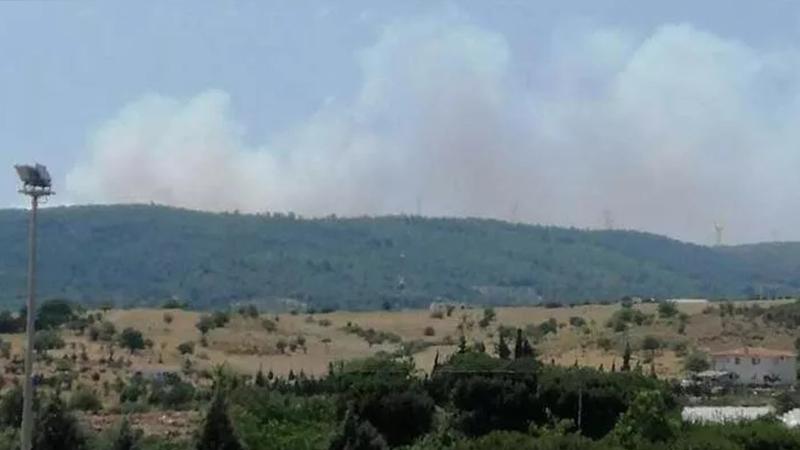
x=718 y=230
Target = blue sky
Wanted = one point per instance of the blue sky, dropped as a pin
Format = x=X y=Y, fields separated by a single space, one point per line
x=465 y=108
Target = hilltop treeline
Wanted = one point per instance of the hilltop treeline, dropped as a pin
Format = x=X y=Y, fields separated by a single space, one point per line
x=147 y=254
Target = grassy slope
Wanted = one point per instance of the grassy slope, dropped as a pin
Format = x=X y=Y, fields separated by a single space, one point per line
x=141 y=254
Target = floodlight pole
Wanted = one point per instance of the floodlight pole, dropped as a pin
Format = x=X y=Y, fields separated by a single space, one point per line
x=26 y=434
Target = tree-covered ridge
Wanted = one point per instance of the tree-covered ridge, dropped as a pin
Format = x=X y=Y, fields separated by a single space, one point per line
x=146 y=254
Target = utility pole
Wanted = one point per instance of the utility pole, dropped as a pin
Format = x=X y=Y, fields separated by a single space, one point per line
x=36 y=185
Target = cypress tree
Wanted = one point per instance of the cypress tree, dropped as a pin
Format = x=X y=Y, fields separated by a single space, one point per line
x=626 y=358
x=462 y=344
x=260 y=380
x=518 y=351
x=217 y=431
x=502 y=348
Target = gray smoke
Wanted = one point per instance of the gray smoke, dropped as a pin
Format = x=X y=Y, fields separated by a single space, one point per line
x=669 y=132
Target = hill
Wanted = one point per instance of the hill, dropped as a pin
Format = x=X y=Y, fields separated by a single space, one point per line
x=137 y=254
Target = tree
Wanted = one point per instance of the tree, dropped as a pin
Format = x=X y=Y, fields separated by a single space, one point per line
x=281 y=345
x=696 y=362
x=502 y=348
x=667 y=310
x=205 y=324
x=518 y=344
x=126 y=438
x=132 y=339
x=356 y=434
x=54 y=313
x=45 y=340
x=646 y=420
x=651 y=343
x=168 y=318
x=186 y=348
x=260 y=380
x=626 y=358
x=56 y=429
x=217 y=433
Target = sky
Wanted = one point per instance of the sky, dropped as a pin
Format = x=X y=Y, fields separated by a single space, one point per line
x=664 y=117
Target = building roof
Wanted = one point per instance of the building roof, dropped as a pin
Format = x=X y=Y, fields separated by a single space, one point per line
x=756 y=351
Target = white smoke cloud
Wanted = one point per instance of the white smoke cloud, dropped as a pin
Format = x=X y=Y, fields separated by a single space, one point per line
x=671 y=132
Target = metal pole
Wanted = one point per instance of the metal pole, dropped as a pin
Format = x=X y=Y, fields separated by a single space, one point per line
x=27 y=405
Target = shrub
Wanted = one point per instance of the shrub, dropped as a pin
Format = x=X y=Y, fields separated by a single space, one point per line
x=437 y=314
x=186 y=348
x=85 y=399
x=205 y=324
x=667 y=310
x=429 y=331
x=577 y=322
x=651 y=343
x=103 y=331
x=171 y=392
x=131 y=339
x=47 y=340
x=53 y=314
x=56 y=429
x=696 y=362
x=324 y=322
x=605 y=343
x=168 y=318
x=269 y=325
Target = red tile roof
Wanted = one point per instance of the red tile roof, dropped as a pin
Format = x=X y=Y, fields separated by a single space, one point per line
x=756 y=351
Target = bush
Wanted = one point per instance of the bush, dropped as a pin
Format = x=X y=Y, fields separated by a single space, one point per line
x=56 y=429
x=696 y=362
x=667 y=310
x=47 y=340
x=186 y=348
x=53 y=314
x=85 y=399
x=429 y=331
x=131 y=339
x=269 y=325
x=577 y=322
x=171 y=392
x=651 y=343
x=168 y=318
x=102 y=332
x=437 y=314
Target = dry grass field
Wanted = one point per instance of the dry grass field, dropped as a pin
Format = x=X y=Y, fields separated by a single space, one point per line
x=245 y=345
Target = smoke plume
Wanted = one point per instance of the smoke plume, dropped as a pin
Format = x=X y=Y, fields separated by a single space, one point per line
x=669 y=132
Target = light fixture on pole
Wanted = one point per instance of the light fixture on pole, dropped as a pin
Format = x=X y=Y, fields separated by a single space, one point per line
x=36 y=184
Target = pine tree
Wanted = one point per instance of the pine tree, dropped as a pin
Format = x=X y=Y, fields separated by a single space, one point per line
x=126 y=439
x=502 y=348
x=217 y=431
x=56 y=429
x=626 y=358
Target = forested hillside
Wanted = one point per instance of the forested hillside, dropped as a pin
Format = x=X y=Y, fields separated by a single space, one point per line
x=139 y=254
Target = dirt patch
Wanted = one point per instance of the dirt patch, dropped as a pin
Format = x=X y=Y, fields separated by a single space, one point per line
x=171 y=424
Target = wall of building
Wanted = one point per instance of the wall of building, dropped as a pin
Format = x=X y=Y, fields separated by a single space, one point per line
x=752 y=369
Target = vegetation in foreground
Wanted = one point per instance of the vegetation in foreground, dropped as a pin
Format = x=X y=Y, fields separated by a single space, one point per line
x=472 y=401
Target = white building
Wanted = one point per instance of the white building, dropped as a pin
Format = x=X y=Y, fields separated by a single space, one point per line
x=757 y=365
